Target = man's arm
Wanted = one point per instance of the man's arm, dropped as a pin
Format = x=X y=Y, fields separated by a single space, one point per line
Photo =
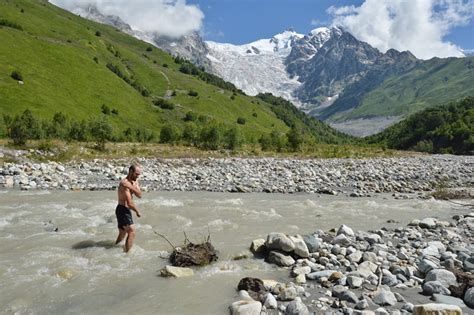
x=131 y=204
x=134 y=188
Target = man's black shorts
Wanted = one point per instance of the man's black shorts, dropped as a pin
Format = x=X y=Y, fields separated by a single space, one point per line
x=124 y=216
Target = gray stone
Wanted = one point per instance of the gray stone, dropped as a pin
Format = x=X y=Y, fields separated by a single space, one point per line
x=300 y=247
x=246 y=307
x=373 y=239
x=257 y=246
x=320 y=274
x=428 y=223
x=366 y=269
x=468 y=264
x=288 y=293
x=408 y=307
x=450 y=300
x=445 y=277
x=348 y=296
x=381 y=311
x=431 y=251
x=342 y=240
x=369 y=256
x=431 y=287
x=426 y=266
x=354 y=282
x=385 y=297
x=344 y=229
x=296 y=307
x=280 y=259
x=270 y=301
x=312 y=242
x=469 y=297
x=279 y=241
x=355 y=257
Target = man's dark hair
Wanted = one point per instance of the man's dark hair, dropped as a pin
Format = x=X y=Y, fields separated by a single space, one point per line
x=132 y=168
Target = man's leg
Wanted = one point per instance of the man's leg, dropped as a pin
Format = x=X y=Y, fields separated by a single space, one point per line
x=130 y=237
x=121 y=236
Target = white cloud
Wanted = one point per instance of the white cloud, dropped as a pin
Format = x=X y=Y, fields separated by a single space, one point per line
x=167 y=17
x=415 y=25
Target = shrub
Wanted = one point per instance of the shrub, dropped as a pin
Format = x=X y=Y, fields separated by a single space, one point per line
x=77 y=131
x=165 y=65
x=241 y=121
x=105 y=109
x=149 y=48
x=164 y=104
x=4 y=22
x=169 y=134
x=295 y=139
x=115 y=111
x=96 y=59
x=233 y=139
x=101 y=132
x=193 y=93
x=98 y=33
x=191 y=133
x=211 y=137
x=190 y=116
x=16 y=75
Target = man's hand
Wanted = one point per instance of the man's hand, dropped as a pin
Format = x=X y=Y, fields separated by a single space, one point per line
x=138 y=213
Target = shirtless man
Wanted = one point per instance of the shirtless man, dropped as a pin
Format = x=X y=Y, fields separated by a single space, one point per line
x=127 y=188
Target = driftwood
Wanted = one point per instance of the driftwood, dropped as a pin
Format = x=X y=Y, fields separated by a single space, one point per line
x=465 y=281
x=191 y=254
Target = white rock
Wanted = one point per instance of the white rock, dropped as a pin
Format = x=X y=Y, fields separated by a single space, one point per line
x=246 y=307
x=177 y=272
x=434 y=308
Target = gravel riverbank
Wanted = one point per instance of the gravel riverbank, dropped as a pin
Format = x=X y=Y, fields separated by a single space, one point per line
x=356 y=177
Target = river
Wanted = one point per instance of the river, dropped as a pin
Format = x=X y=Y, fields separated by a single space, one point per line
x=57 y=257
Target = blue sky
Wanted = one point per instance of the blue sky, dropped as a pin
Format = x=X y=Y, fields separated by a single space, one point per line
x=427 y=28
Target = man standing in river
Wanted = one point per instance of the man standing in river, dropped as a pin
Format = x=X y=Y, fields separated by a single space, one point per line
x=127 y=188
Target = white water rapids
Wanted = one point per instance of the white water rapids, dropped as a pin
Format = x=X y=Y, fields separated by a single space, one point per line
x=76 y=270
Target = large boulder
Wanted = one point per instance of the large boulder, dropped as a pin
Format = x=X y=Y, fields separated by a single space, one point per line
x=300 y=246
x=344 y=229
x=312 y=242
x=253 y=286
x=434 y=308
x=428 y=223
x=432 y=287
x=445 y=277
x=469 y=297
x=279 y=241
x=258 y=246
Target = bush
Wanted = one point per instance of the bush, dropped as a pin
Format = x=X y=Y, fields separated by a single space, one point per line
x=7 y=23
x=105 y=109
x=193 y=93
x=96 y=59
x=16 y=75
x=169 y=134
x=190 y=116
x=191 y=133
x=295 y=139
x=98 y=33
x=149 y=48
x=101 y=132
x=241 y=121
x=210 y=137
x=24 y=127
x=165 y=65
x=233 y=139
x=164 y=104
x=78 y=131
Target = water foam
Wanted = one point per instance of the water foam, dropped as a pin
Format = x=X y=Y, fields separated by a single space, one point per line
x=232 y=201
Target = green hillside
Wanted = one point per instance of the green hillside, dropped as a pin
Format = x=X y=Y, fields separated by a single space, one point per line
x=433 y=82
x=442 y=129
x=87 y=70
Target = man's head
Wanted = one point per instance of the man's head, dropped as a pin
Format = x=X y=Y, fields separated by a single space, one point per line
x=134 y=171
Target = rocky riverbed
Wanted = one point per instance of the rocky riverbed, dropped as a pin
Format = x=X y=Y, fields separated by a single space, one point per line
x=356 y=177
x=386 y=271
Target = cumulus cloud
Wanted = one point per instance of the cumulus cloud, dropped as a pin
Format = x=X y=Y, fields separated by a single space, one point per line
x=415 y=25
x=173 y=18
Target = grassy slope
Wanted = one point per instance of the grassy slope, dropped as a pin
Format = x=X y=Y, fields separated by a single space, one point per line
x=54 y=52
x=432 y=83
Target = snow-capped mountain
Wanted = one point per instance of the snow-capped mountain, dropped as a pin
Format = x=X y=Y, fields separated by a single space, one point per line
x=257 y=67
x=325 y=72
